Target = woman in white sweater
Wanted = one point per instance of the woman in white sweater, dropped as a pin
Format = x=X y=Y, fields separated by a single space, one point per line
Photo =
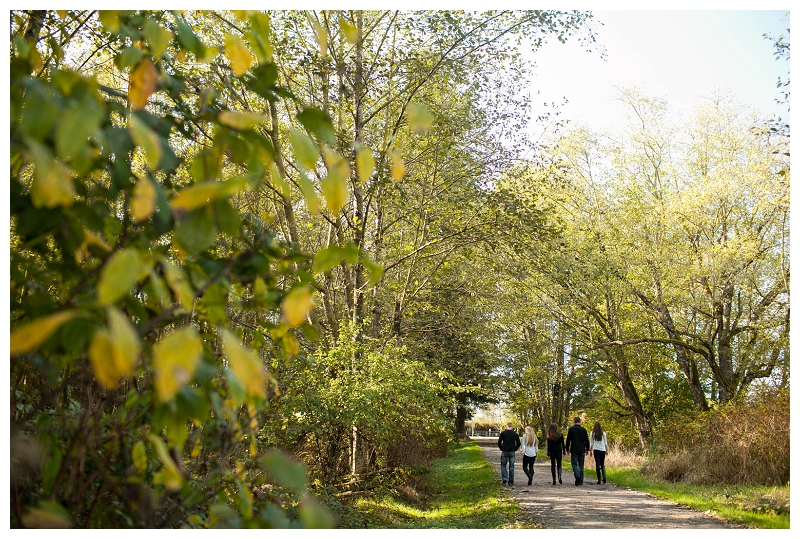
x=599 y=444
x=528 y=450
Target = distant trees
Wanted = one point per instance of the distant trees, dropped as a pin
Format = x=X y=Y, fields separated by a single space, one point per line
x=674 y=246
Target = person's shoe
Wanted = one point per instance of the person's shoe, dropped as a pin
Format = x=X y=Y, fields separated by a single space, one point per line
x=598 y=482
x=577 y=483
x=530 y=481
x=504 y=481
x=604 y=481
x=510 y=484
x=559 y=480
x=554 y=481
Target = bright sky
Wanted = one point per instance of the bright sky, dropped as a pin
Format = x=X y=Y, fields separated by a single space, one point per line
x=679 y=55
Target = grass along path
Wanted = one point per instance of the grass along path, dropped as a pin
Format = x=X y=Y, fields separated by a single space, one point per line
x=751 y=506
x=461 y=490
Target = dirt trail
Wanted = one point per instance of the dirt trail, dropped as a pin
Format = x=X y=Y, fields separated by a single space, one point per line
x=591 y=505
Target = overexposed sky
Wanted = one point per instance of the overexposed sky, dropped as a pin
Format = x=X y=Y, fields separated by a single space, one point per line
x=679 y=55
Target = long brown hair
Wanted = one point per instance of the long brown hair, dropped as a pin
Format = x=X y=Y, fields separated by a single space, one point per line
x=553 y=433
x=597 y=431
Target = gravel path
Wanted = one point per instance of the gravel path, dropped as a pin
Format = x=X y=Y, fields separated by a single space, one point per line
x=591 y=505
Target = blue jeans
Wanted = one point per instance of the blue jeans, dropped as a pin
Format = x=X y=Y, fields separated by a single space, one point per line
x=577 y=465
x=507 y=457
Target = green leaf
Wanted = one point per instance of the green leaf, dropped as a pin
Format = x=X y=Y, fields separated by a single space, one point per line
x=241 y=121
x=201 y=194
x=374 y=271
x=285 y=471
x=119 y=274
x=75 y=126
x=195 y=232
x=139 y=456
x=319 y=123
x=188 y=39
x=47 y=515
x=52 y=181
x=419 y=117
x=179 y=284
x=259 y=36
x=313 y=515
x=158 y=37
x=305 y=151
x=109 y=18
x=328 y=257
x=147 y=139
x=129 y=56
x=175 y=360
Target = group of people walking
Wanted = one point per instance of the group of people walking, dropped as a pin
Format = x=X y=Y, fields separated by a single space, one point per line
x=578 y=443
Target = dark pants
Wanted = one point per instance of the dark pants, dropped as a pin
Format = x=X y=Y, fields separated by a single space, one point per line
x=577 y=466
x=527 y=466
x=555 y=462
x=507 y=459
x=600 y=464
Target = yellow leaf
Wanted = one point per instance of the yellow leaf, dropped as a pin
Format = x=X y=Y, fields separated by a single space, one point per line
x=175 y=359
x=147 y=139
x=202 y=193
x=305 y=151
x=90 y=238
x=349 y=30
x=398 y=167
x=321 y=34
x=179 y=284
x=139 y=456
x=245 y=364
x=419 y=117
x=334 y=185
x=170 y=475
x=290 y=345
x=29 y=336
x=114 y=352
x=296 y=305
x=309 y=194
x=119 y=274
x=62 y=13
x=52 y=185
x=278 y=181
x=144 y=200
x=238 y=55
x=241 y=121
x=143 y=84
x=365 y=163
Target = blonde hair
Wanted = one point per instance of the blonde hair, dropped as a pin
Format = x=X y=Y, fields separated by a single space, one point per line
x=531 y=439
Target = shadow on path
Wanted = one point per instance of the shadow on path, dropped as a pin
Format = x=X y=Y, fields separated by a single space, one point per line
x=591 y=505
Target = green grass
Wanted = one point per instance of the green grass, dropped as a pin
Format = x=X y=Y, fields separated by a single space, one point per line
x=460 y=490
x=751 y=506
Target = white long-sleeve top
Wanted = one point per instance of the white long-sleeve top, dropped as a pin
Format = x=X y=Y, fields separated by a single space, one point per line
x=600 y=445
x=529 y=451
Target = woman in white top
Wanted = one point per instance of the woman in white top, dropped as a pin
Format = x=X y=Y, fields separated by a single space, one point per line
x=528 y=450
x=599 y=444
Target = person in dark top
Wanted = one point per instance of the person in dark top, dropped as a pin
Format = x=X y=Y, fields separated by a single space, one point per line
x=578 y=448
x=555 y=449
x=508 y=442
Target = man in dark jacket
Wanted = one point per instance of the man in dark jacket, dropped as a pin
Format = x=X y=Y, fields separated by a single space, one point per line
x=508 y=442
x=578 y=448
